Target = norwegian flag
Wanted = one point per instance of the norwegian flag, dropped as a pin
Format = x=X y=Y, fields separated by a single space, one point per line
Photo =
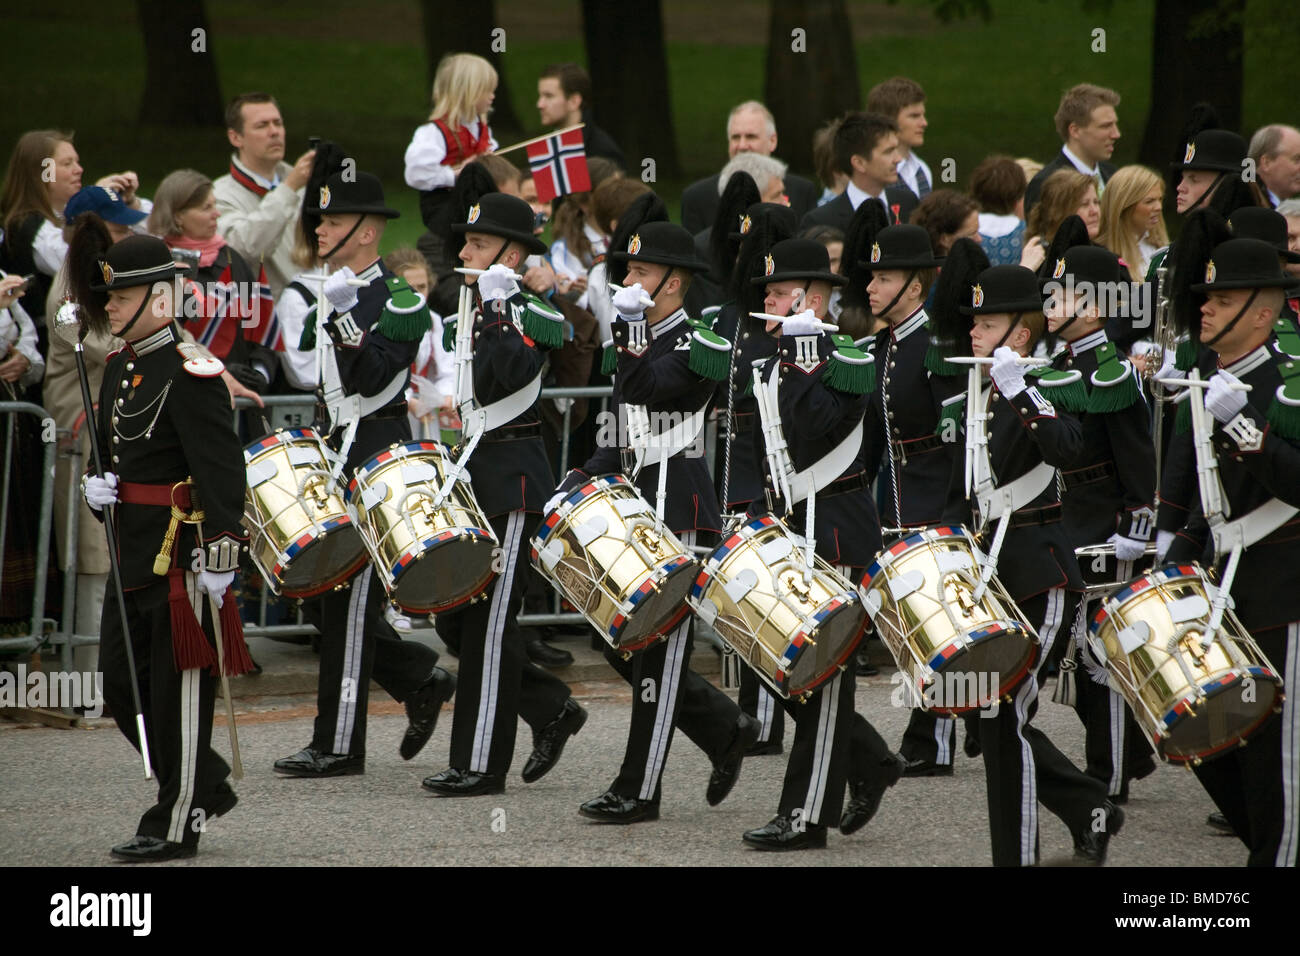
x=559 y=165
x=264 y=325
x=222 y=314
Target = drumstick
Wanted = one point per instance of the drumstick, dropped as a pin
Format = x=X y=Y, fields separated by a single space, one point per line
x=1202 y=383
x=821 y=326
x=479 y=272
x=354 y=281
x=988 y=360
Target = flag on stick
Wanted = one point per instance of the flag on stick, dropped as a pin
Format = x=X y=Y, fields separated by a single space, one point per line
x=559 y=165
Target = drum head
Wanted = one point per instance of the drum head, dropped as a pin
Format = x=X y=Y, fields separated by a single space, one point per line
x=445 y=576
x=1004 y=654
x=1222 y=720
x=835 y=640
x=323 y=563
x=659 y=611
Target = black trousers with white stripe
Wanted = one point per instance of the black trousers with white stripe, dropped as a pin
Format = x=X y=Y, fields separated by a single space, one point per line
x=761 y=704
x=1022 y=767
x=929 y=737
x=177 y=710
x=1258 y=786
x=496 y=684
x=356 y=645
x=821 y=756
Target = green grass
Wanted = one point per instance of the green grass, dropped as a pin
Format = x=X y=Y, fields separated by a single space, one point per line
x=358 y=77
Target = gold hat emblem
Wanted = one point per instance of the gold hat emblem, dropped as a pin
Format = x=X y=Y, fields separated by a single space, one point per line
x=875 y=252
x=634 y=244
x=977 y=297
x=324 y=197
x=1209 y=272
x=1059 y=270
x=769 y=265
x=473 y=214
x=1190 y=154
x=107 y=270
x=745 y=223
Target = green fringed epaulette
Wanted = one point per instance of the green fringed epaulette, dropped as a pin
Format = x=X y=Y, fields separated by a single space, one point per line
x=850 y=370
x=542 y=324
x=1185 y=355
x=1288 y=340
x=1284 y=411
x=1114 y=384
x=1065 y=387
x=709 y=315
x=952 y=415
x=307 y=341
x=449 y=334
x=710 y=352
x=937 y=362
x=1182 y=418
x=608 y=359
x=406 y=315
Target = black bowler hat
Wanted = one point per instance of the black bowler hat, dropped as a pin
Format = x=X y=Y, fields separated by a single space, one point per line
x=1267 y=225
x=1219 y=150
x=798 y=259
x=1004 y=289
x=136 y=261
x=1243 y=264
x=354 y=193
x=665 y=244
x=1089 y=264
x=496 y=214
x=901 y=247
x=783 y=215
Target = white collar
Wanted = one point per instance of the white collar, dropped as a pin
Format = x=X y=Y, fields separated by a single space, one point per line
x=372 y=272
x=1248 y=363
x=909 y=162
x=909 y=325
x=1088 y=342
x=857 y=196
x=995 y=225
x=262 y=181
x=1079 y=164
x=154 y=340
x=663 y=326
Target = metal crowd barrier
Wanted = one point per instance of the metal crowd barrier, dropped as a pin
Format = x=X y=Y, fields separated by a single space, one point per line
x=36 y=634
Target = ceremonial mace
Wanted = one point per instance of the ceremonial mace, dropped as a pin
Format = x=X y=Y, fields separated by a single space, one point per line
x=64 y=320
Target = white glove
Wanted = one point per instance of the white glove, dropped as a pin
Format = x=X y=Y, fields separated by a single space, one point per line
x=1127 y=549
x=1007 y=373
x=341 y=295
x=1221 y=400
x=498 y=282
x=215 y=583
x=802 y=323
x=396 y=619
x=101 y=491
x=1163 y=540
x=554 y=501
x=631 y=301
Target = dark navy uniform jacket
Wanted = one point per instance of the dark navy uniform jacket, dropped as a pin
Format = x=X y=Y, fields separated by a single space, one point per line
x=752 y=344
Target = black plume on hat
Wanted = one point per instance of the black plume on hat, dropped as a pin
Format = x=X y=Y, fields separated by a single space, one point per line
x=1202 y=232
x=472 y=184
x=865 y=225
x=949 y=325
x=725 y=237
x=1071 y=233
x=1243 y=264
x=87 y=248
x=645 y=208
x=329 y=160
x=769 y=223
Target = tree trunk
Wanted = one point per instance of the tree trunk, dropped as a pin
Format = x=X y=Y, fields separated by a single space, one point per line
x=1196 y=55
x=180 y=82
x=628 y=62
x=459 y=27
x=812 y=72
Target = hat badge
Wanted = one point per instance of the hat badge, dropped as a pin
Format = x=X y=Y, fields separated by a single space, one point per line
x=324 y=197
x=745 y=223
x=1059 y=270
x=473 y=214
x=634 y=244
x=1209 y=272
x=977 y=297
x=107 y=271
x=875 y=252
x=1190 y=154
x=769 y=265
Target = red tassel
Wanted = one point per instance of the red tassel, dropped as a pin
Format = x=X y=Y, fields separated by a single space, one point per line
x=234 y=651
x=190 y=647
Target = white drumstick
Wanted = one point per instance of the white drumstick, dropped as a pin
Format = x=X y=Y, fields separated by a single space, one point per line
x=478 y=272
x=821 y=326
x=988 y=360
x=1202 y=383
x=354 y=281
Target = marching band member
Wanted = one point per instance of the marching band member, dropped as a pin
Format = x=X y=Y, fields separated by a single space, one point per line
x=1107 y=493
x=822 y=387
x=498 y=684
x=669 y=365
x=1256 y=443
x=374 y=332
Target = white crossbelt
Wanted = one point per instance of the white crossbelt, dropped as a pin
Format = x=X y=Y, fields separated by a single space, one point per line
x=826 y=469
x=1253 y=527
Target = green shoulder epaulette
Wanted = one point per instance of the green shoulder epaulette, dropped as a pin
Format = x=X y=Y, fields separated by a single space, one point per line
x=952 y=415
x=1065 y=387
x=307 y=341
x=1284 y=411
x=541 y=323
x=1288 y=339
x=1185 y=355
x=936 y=361
x=1115 y=383
x=449 y=333
x=608 y=359
x=710 y=352
x=406 y=314
x=849 y=369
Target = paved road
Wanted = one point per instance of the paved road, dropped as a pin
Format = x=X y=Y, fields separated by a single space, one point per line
x=70 y=794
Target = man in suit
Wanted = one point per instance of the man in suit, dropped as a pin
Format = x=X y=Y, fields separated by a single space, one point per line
x=563 y=93
x=750 y=129
x=866 y=148
x=1276 y=152
x=1088 y=126
x=903 y=101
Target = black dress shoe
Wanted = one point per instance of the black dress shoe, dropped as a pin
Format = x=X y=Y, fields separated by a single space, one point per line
x=422 y=711
x=927 y=768
x=769 y=748
x=864 y=797
x=1091 y=844
x=727 y=770
x=609 y=807
x=543 y=655
x=971 y=746
x=1220 y=823
x=312 y=763
x=147 y=849
x=222 y=802
x=550 y=740
x=465 y=783
x=782 y=834
x=864 y=668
